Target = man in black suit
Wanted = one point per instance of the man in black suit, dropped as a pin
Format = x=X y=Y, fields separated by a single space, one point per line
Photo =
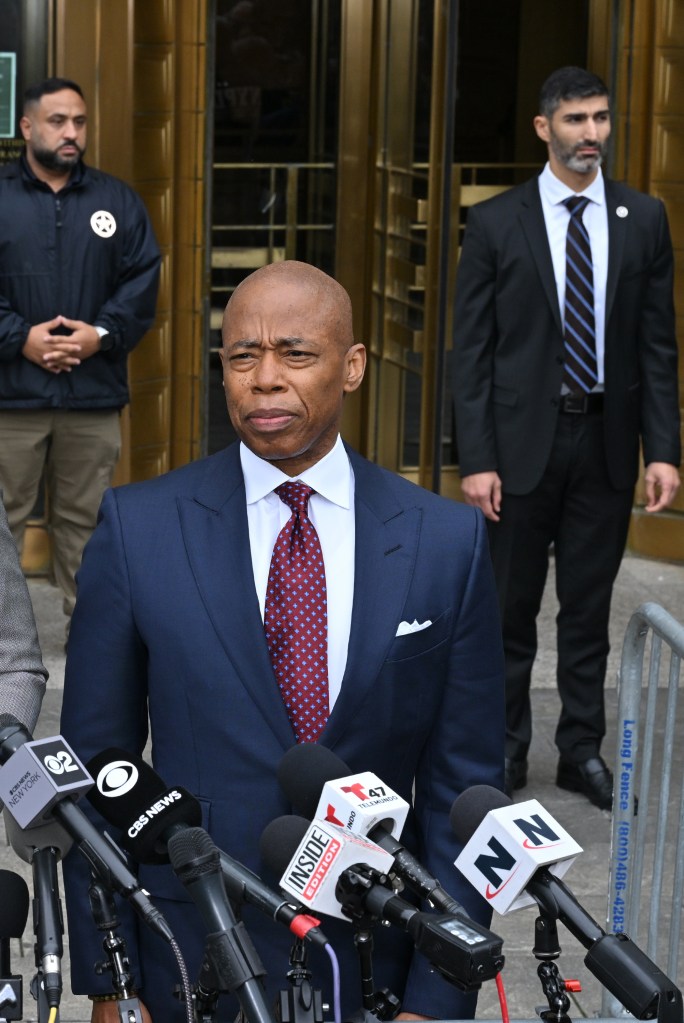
x=555 y=385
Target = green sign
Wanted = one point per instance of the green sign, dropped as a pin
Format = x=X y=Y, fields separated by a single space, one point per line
x=8 y=77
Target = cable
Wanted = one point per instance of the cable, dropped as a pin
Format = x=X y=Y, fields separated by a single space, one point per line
x=502 y=998
x=337 y=1010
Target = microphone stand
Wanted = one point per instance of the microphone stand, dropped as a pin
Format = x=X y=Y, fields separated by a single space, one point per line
x=379 y=1004
x=547 y=949
x=46 y=985
x=104 y=914
x=300 y=1003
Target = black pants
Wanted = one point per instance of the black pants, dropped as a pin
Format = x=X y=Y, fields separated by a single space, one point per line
x=574 y=508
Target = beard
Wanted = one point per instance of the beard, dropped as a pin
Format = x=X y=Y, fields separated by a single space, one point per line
x=570 y=156
x=53 y=160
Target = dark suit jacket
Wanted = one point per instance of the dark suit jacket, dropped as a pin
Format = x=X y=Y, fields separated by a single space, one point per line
x=167 y=619
x=508 y=347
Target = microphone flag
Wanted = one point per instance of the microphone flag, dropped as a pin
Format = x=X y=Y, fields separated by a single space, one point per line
x=508 y=847
x=325 y=851
x=359 y=802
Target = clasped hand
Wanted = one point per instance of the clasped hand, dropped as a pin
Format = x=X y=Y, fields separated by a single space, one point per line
x=59 y=353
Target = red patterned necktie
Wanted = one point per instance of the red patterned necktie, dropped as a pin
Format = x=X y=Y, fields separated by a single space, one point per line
x=296 y=617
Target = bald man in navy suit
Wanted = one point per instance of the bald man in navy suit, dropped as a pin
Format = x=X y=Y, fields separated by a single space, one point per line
x=169 y=624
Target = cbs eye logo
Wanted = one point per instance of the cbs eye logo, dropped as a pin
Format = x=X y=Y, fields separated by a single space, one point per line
x=117 y=778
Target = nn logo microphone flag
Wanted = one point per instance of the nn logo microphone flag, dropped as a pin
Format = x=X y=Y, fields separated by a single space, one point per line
x=508 y=847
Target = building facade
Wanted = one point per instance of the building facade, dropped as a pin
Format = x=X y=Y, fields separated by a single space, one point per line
x=353 y=134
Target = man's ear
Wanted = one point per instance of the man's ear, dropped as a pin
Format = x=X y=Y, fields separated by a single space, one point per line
x=541 y=126
x=25 y=126
x=355 y=359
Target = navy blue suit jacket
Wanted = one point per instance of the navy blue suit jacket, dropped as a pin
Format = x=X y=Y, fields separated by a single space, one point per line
x=167 y=622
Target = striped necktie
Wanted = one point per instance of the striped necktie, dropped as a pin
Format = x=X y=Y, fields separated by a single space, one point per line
x=296 y=617
x=580 y=372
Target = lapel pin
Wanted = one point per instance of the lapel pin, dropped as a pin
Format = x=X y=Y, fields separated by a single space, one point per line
x=622 y=211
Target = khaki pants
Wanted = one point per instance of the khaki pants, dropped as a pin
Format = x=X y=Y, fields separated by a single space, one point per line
x=79 y=452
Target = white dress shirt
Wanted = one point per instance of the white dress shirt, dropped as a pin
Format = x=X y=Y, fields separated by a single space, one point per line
x=595 y=218
x=331 y=510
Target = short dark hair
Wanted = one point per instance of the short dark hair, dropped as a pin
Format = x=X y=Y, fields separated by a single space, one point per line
x=35 y=93
x=569 y=83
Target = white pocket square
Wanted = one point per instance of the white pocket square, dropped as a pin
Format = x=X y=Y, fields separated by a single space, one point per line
x=406 y=628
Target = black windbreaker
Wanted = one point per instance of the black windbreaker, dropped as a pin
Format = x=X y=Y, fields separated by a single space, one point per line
x=87 y=252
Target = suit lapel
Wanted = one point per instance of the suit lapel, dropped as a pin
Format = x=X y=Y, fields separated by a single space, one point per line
x=385 y=549
x=617 y=233
x=534 y=229
x=216 y=535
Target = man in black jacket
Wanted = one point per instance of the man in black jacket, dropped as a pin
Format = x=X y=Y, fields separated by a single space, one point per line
x=79 y=274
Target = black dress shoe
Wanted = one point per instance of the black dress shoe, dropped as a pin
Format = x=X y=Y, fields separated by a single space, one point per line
x=515 y=776
x=592 y=778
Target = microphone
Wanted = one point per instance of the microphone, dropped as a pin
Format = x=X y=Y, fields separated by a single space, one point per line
x=312 y=855
x=521 y=847
x=324 y=864
x=320 y=785
x=43 y=846
x=36 y=774
x=14 y=898
x=506 y=843
x=55 y=800
x=129 y=794
x=231 y=963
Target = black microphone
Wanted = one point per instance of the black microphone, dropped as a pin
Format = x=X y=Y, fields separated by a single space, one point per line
x=130 y=794
x=43 y=847
x=464 y=954
x=53 y=798
x=14 y=899
x=232 y=963
x=302 y=773
x=614 y=959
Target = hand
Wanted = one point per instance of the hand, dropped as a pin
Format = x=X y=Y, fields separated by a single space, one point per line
x=55 y=353
x=82 y=334
x=108 y=1012
x=483 y=489
x=412 y=1015
x=662 y=483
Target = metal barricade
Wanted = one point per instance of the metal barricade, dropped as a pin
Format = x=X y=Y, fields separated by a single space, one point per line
x=647 y=849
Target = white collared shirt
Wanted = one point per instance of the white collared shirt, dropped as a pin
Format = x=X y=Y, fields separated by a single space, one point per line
x=331 y=510
x=595 y=217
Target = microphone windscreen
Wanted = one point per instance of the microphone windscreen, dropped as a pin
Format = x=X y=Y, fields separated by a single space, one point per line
x=193 y=854
x=9 y=719
x=279 y=841
x=130 y=795
x=46 y=836
x=303 y=772
x=472 y=806
x=14 y=899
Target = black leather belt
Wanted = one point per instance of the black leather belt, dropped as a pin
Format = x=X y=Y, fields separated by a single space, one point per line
x=582 y=404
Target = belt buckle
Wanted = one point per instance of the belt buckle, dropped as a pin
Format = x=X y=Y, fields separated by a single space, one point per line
x=575 y=403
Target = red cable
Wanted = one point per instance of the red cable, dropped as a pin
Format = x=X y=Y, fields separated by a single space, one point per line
x=502 y=999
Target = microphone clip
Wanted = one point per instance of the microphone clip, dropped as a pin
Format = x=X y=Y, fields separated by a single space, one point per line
x=117 y=963
x=301 y=1002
